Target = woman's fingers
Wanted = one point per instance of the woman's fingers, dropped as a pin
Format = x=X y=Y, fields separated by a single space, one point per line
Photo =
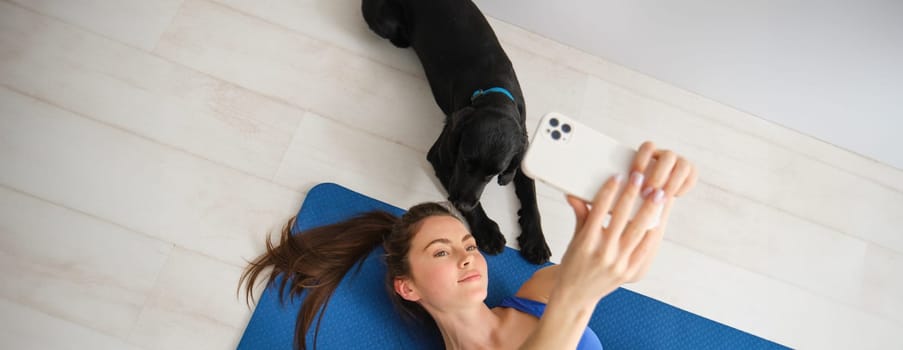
x=622 y=211
x=689 y=183
x=624 y=206
x=664 y=163
x=601 y=205
x=678 y=177
x=645 y=252
x=580 y=209
x=642 y=157
x=636 y=229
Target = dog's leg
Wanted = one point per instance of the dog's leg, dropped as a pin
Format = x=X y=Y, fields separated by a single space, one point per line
x=487 y=233
x=532 y=242
x=386 y=19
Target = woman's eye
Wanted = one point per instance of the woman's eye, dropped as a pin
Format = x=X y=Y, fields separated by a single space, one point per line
x=471 y=248
x=440 y=253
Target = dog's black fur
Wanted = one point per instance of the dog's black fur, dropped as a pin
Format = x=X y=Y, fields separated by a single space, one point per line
x=482 y=138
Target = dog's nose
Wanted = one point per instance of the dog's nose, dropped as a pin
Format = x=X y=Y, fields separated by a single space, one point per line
x=465 y=206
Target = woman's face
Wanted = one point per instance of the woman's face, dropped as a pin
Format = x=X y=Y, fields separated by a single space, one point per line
x=447 y=269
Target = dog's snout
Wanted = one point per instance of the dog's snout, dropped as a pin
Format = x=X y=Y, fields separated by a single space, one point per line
x=465 y=206
x=465 y=201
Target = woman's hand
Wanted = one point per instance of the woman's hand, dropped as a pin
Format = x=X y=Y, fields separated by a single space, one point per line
x=601 y=258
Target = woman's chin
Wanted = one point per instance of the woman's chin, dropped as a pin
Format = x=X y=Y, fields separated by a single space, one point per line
x=480 y=294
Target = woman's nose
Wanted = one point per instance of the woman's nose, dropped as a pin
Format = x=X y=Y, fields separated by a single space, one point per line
x=466 y=260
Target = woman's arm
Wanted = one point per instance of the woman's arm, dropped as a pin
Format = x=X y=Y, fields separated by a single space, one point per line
x=599 y=259
x=539 y=286
x=558 y=316
x=562 y=324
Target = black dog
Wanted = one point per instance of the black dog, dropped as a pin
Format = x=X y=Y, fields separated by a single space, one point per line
x=484 y=134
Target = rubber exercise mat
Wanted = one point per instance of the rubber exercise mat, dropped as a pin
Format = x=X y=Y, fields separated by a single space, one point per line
x=361 y=316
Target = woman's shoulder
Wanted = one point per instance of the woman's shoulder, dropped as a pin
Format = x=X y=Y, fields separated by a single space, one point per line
x=539 y=286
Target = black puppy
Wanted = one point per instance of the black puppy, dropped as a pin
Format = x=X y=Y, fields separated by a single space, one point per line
x=475 y=86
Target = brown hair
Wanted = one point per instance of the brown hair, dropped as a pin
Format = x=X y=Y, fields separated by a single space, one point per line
x=317 y=259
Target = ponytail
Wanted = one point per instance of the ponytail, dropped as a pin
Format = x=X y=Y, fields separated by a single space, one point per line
x=316 y=260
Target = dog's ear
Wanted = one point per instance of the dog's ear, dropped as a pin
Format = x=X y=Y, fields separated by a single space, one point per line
x=514 y=166
x=508 y=175
x=458 y=117
x=451 y=133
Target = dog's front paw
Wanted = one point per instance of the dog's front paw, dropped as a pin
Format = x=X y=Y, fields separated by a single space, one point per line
x=490 y=238
x=532 y=242
x=534 y=250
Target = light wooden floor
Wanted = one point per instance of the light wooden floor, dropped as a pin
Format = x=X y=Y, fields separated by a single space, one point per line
x=147 y=147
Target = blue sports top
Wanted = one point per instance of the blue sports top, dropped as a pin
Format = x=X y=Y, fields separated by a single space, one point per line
x=588 y=341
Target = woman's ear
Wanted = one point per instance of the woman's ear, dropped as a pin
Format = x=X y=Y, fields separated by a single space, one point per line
x=404 y=288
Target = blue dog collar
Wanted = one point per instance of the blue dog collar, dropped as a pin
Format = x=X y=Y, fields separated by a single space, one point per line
x=500 y=90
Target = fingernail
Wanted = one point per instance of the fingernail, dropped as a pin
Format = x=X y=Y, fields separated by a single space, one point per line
x=647 y=191
x=659 y=196
x=636 y=178
x=619 y=178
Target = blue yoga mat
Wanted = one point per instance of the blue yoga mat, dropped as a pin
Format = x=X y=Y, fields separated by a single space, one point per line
x=361 y=316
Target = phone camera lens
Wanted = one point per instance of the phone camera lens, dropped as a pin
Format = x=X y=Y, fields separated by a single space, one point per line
x=556 y=135
x=566 y=128
x=553 y=122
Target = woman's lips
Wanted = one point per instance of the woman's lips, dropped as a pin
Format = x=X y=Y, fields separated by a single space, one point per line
x=470 y=278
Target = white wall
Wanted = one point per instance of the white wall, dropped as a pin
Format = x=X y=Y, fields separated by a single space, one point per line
x=830 y=69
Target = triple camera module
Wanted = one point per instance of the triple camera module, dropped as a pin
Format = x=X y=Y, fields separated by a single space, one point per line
x=557 y=130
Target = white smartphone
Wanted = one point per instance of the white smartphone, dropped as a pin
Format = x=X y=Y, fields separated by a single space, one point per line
x=574 y=158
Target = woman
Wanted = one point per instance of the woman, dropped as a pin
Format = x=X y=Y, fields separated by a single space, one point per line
x=435 y=272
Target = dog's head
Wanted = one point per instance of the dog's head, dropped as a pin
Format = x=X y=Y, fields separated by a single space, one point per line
x=478 y=145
